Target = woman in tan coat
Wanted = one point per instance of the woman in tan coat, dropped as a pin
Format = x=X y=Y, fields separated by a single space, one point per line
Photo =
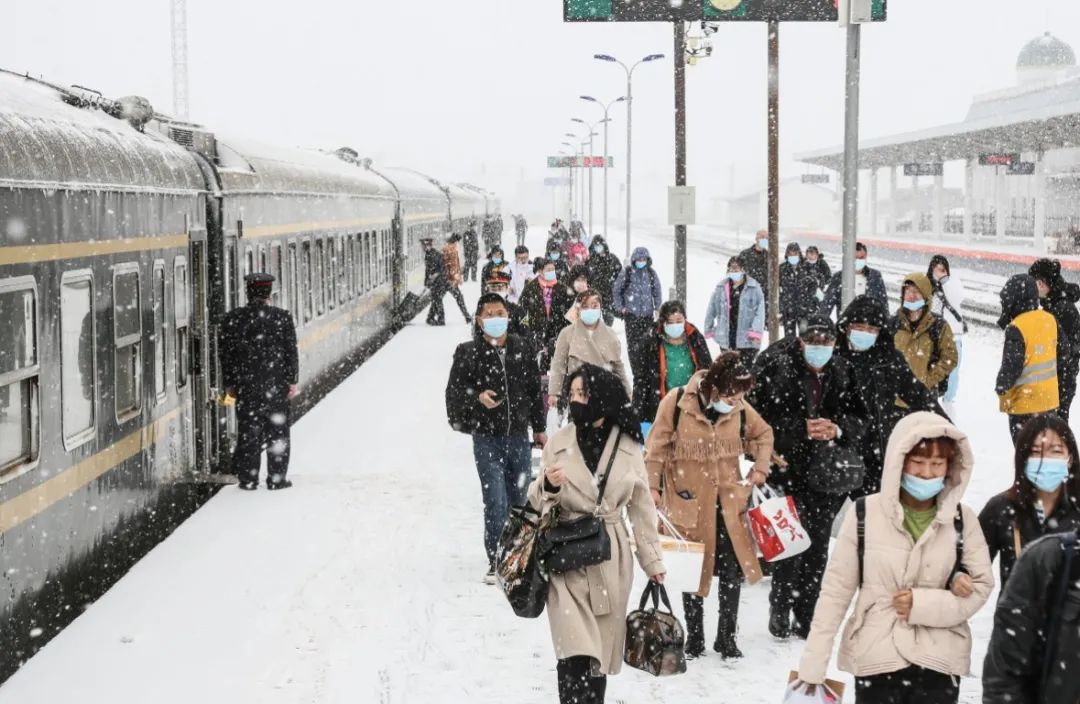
x=695 y=480
x=587 y=340
x=587 y=607
x=908 y=639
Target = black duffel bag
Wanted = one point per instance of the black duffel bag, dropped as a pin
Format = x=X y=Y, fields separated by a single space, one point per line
x=835 y=469
x=584 y=541
x=517 y=562
x=655 y=639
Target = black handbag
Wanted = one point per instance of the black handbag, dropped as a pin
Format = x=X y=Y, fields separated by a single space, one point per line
x=655 y=640
x=584 y=541
x=517 y=562
x=834 y=468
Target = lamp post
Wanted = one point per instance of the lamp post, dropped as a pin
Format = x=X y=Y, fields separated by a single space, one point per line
x=591 y=127
x=606 y=108
x=629 y=129
x=570 y=192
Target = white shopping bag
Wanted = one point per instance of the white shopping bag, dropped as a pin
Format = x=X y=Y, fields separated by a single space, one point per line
x=682 y=557
x=775 y=525
x=799 y=693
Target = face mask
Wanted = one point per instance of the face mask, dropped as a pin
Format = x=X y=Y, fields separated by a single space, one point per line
x=721 y=407
x=591 y=316
x=861 y=340
x=581 y=286
x=599 y=249
x=860 y=264
x=817 y=356
x=500 y=294
x=675 y=330
x=812 y=261
x=641 y=265
x=763 y=243
x=582 y=413
x=549 y=275
x=496 y=260
x=914 y=305
x=495 y=327
x=793 y=261
x=922 y=489
x=735 y=276
x=941 y=279
x=1046 y=473
x=554 y=256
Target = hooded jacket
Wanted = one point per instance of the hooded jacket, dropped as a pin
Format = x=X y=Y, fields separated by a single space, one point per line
x=604 y=268
x=636 y=291
x=1033 y=353
x=936 y=635
x=649 y=385
x=751 y=324
x=1060 y=302
x=927 y=344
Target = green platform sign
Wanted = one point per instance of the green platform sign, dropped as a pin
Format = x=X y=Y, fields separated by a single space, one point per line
x=708 y=10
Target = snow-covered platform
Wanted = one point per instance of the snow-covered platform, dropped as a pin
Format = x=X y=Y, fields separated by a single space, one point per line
x=363 y=583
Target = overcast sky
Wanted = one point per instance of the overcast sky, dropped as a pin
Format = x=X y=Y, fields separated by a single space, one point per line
x=483 y=90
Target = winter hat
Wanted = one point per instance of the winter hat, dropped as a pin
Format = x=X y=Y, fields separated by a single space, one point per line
x=1049 y=270
x=498 y=276
x=1018 y=295
x=863 y=310
x=817 y=326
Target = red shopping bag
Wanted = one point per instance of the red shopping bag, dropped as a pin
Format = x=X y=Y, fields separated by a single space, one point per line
x=775 y=525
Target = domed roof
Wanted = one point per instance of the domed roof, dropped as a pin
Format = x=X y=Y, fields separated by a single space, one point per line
x=1046 y=51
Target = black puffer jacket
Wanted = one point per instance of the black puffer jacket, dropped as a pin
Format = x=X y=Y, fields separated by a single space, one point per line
x=604 y=268
x=1061 y=303
x=1001 y=516
x=477 y=368
x=756 y=263
x=544 y=329
x=821 y=272
x=885 y=383
x=797 y=288
x=649 y=384
x=781 y=396
x=1013 y=668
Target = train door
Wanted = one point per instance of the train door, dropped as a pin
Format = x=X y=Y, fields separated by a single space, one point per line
x=203 y=400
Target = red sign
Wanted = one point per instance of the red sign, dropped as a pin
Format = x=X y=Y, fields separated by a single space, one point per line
x=998 y=159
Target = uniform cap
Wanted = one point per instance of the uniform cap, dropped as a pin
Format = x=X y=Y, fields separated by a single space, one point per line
x=498 y=276
x=259 y=283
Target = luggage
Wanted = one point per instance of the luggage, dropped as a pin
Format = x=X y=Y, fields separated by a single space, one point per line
x=655 y=639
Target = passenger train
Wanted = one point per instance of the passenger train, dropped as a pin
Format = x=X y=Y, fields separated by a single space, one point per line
x=124 y=239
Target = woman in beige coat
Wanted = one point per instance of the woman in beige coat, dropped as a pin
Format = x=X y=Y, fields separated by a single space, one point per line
x=587 y=340
x=587 y=607
x=908 y=639
x=695 y=479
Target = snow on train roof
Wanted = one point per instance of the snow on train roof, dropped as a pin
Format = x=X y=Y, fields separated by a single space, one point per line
x=44 y=142
x=465 y=201
x=247 y=165
x=411 y=183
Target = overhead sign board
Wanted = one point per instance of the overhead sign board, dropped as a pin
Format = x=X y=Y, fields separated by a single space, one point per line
x=588 y=162
x=928 y=169
x=561 y=162
x=682 y=205
x=712 y=10
x=556 y=181
x=815 y=178
x=998 y=159
x=1021 y=168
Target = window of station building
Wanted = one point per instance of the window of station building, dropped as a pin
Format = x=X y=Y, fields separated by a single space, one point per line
x=160 y=332
x=305 y=279
x=330 y=269
x=127 y=341
x=19 y=374
x=317 y=277
x=180 y=321
x=278 y=296
x=77 y=386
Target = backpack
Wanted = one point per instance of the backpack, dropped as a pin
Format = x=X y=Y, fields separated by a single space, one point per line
x=936 y=328
x=958 y=525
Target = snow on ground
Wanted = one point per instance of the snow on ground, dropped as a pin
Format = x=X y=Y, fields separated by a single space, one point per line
x=362 y=584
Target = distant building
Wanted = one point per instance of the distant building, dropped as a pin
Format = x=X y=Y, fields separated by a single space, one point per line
x=803 y=206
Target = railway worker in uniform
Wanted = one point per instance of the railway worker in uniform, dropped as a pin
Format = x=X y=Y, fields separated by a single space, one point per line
x=1058 y=298
x=498 y=282
x=493 y=395
x=471 y=246
x=435 y=281
x=949 y=295
x=260 y=368
x=925 y=339
x=1027 y=381
x=522 y=271
x=604 y=268
x=868 y=281
x=454 y=276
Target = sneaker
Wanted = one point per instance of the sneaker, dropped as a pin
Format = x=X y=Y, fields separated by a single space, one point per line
x=489 y=578
x=248 y=486
x=275 y=486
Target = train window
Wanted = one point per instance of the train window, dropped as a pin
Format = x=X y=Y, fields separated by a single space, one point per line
x=363 y=262
x=180 y=320
x=19 y=372
x=249 y=261
x=350 y=259
x=342 y=271
x=77 y=388
x=305 y=279
x=263 y=265
x=386 y=256
x=227 y=275
x=317 y=277
x=330 y=268
x=279 y=297
x=369 y=260
x=160 y=332
x=127 y=340
x=292 y=284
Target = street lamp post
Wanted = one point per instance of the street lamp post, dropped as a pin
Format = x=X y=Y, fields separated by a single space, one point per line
x=629 y=129
x=591 y=127
x=606 y=108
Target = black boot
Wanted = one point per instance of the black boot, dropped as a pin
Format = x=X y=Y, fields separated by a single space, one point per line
x=576 y=684
x=728 y=622
x=780 y=622
x=694 y=611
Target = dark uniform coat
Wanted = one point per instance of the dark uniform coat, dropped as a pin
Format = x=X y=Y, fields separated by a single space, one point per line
x=259 y=358
x=511 y=373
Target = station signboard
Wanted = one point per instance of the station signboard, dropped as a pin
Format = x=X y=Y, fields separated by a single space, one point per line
x=928 y=169
x=587 y=162
x=1021 y=168
x=710 y=10
x=998 y=159
x=815 y=178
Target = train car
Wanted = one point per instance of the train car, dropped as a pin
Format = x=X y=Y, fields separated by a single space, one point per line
x=467 y=209
x=96 y=411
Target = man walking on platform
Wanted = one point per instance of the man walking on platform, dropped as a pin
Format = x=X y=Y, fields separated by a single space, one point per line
x=454 y=277
x=756 y=260
x=260 y=367
x=435 y=280
x=868 y=282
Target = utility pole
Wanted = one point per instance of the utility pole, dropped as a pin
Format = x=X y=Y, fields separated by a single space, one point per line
x=592 y=153
x=680 y=153
x=629 y=152
x=774 y=180
x=851 y=164
x=179 y=58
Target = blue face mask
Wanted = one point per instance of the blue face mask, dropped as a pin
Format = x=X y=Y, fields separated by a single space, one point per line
x=496 y=260
x=599 y=249
x=735 y=276
x=817 y=356
x=1046 y=473
x=591 y=316
x=793 y=260
x=763 y=243
x=861 y=340
x=860 y=264
x=675 y=330
x=922 y=489
x=641 y=265
x=554 y=256
x=721 y=407
x=495 y=327
x=914 y=305
x=549 y=275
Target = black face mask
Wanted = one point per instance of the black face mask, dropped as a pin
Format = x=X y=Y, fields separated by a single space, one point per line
x=583 y=413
